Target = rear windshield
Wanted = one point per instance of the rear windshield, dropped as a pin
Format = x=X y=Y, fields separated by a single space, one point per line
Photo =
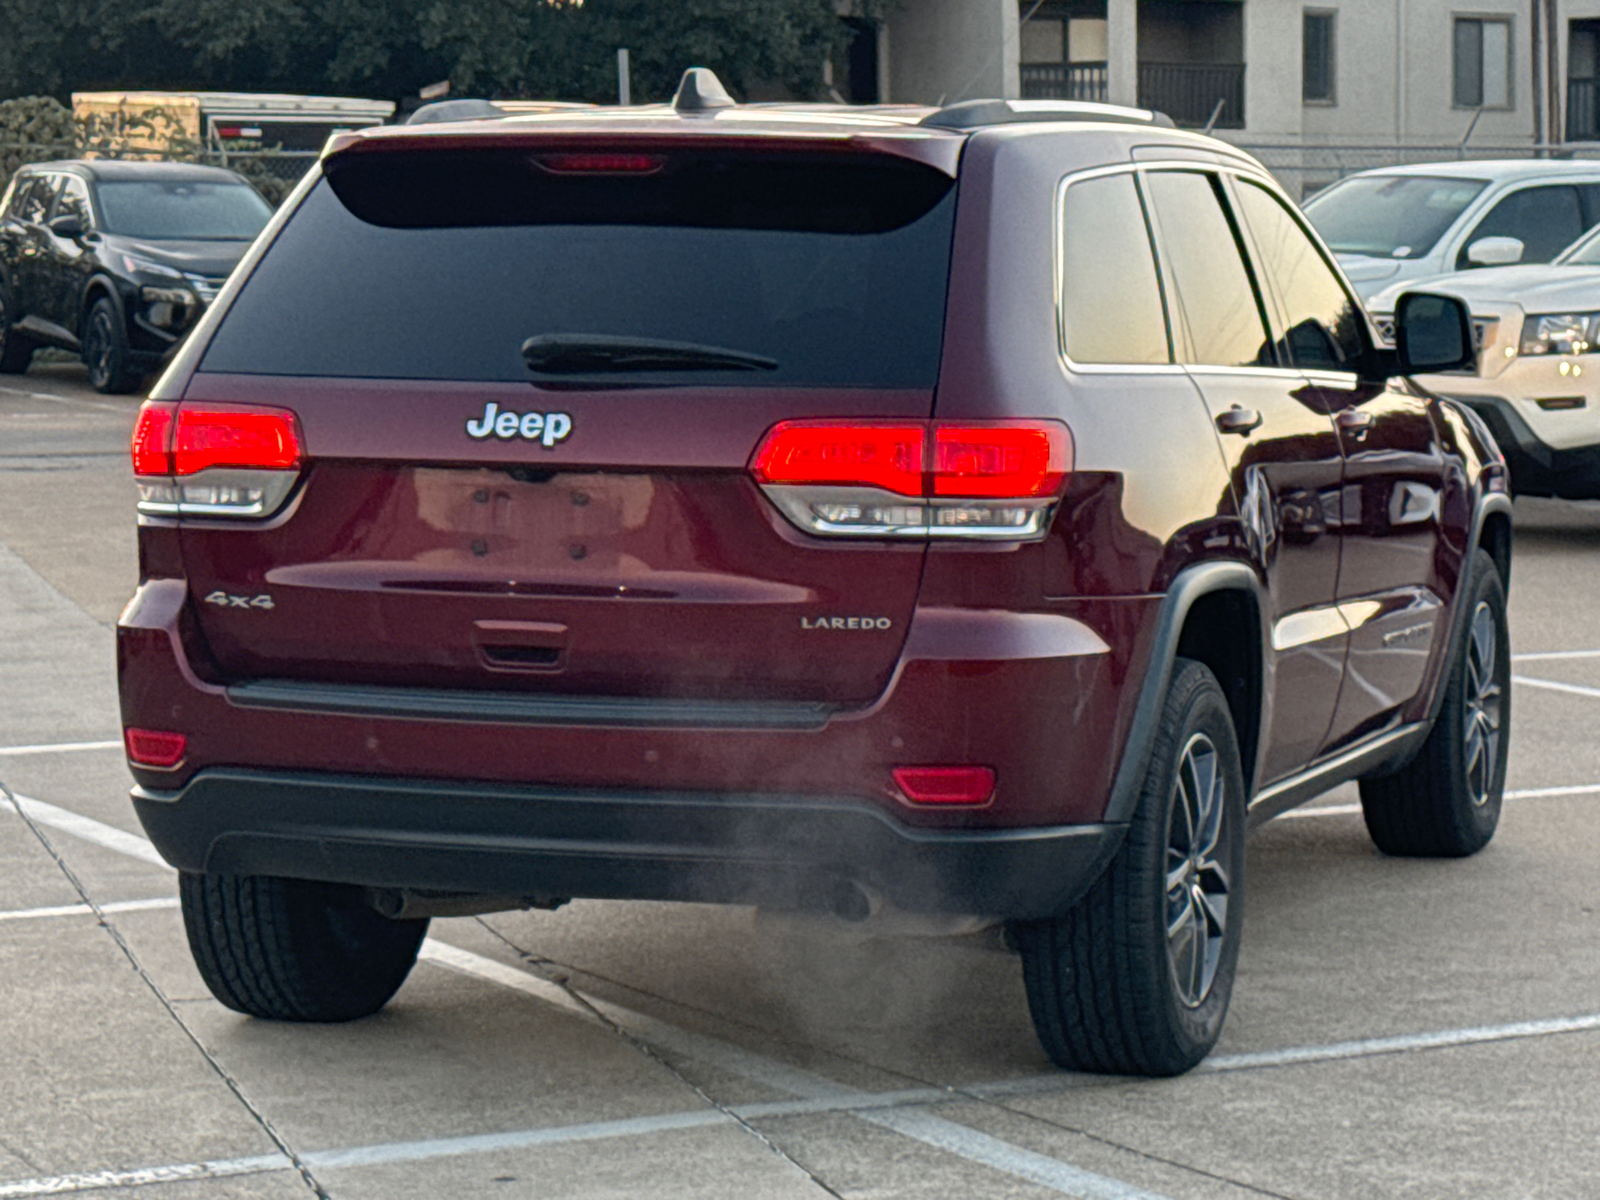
x=199 y=211
x=436 y=266
x=1390 y=216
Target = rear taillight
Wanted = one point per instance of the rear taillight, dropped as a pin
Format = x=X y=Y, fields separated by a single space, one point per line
x=993 y=479
x=215 y=460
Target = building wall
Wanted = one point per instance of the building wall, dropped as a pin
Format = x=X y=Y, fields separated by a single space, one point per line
x=1271 y=71
x=944 y=51
x=1393 y=72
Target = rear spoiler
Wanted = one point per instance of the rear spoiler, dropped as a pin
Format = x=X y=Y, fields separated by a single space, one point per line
x=645 y=130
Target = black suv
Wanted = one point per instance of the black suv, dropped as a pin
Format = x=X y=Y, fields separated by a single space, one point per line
x=116 y=260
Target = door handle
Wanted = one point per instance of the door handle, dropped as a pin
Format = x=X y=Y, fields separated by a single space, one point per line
x=1239 y=420
x=1353 y=420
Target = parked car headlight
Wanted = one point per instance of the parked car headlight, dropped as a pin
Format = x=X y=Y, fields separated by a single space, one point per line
x=1560 y=333
x=143 y=266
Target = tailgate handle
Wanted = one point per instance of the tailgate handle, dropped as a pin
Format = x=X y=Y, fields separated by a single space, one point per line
x=520 y=645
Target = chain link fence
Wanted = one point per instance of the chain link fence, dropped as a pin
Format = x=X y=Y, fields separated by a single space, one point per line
x=1304 y=170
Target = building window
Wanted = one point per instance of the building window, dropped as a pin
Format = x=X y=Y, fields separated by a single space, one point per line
x=1482 y=62
x=1044 y=41
x=1316 y=51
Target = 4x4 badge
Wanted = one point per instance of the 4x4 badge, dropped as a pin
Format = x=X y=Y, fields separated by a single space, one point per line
x=544 y=428
x=223 y=600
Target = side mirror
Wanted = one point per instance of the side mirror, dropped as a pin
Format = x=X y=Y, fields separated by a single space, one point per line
x=1495 y=252
x=67 y=227
x=1432 y=333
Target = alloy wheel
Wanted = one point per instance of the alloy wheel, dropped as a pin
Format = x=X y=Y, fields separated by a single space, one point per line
x=1198 y=872
x=1484 y=693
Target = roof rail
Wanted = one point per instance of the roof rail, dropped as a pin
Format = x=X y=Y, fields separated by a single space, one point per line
x=701 y=91
x=974 y=114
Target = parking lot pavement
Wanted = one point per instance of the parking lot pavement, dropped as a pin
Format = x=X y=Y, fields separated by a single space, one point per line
x=1399 y=1028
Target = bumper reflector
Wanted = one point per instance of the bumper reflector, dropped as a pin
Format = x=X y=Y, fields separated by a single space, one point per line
x=946 y=785
x=153 y=748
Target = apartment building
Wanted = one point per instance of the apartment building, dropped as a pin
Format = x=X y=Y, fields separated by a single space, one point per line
x=1512 y=73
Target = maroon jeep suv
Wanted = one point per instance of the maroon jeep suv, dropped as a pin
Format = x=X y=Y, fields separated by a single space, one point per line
x=992 y=510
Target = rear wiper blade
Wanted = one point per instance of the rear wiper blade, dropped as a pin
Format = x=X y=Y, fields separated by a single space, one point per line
x=601 y=354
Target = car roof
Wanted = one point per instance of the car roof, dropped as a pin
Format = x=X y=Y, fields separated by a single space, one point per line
x=1493 y=169
x=112 y=168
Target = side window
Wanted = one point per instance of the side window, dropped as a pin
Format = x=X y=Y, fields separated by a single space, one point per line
x=1110 y=297
x=1324 y=325
x=1206 y=274
x=26 y=205
x=37 y=209
x=74 y=201
x=1546 y=220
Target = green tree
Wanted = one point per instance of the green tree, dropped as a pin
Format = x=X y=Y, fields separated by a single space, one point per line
x=568 y=51
x=562 y=49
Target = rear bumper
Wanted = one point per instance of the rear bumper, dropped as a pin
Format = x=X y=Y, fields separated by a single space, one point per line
x=1044 y=699
x=544 y=843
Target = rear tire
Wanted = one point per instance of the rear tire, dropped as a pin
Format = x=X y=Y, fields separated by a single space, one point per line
x=1445 y=803
x=294 y=950
x=105 y=351
x=16 y=351
x=1135 y=979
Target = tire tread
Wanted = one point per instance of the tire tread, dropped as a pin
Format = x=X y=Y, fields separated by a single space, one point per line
x=265 y=947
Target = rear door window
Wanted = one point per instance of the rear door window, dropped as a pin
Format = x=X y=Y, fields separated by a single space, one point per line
x=1546 y=220
x=1206 y=275
x=1111 y=296
x=441 y=266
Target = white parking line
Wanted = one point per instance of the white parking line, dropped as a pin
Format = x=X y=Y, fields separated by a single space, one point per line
x=1551 y=685
x=977 y=1146
x=1545 y=655
x=57 y=748
x=90 y=830
x=94 y=1181
x=70 y=400
x=1342 y=810
x=1368 y=1047
x=78 y=910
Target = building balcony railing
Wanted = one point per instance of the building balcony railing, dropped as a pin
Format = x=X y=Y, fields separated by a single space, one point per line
x=1189 y=92
x=1583 y=110
x=1064 y=81
x=1186 y=92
